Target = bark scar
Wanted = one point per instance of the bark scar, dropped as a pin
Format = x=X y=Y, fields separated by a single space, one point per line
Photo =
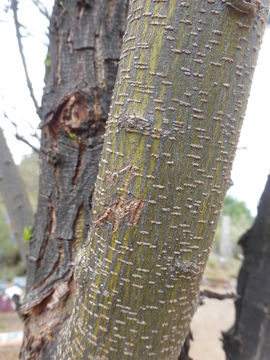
x=133 y=123
x=245 y=6
x=69 y=113
x=119 y=210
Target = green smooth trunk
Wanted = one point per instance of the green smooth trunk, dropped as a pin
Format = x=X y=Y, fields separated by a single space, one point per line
x=177 y=109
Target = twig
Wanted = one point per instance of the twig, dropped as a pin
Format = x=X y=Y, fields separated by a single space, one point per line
x=20 y=137
x=214 y=295
x=42 y=8
x=34 y=134
x=14 y=7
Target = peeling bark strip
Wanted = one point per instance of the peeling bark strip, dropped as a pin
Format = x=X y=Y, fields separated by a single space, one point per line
x=249 y=337
x=177 y=110
x=123 y=206
x=117 y=211
x=85 y=45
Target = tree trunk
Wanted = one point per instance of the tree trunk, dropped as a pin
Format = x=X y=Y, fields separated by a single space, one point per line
x=249 y=337
x=14 y=196
x=184 y=354
x=82 y=61
x=178 y=105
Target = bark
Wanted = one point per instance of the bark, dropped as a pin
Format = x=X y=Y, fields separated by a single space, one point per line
x=177 y=109
x=249 y=337
x=14 y=196
x=184 y=355
x=82 y=61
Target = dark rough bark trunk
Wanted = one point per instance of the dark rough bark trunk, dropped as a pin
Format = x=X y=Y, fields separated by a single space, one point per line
x=14 y=196
x=249 y=339
x=85 y=45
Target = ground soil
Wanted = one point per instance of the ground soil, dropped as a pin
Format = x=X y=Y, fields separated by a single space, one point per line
x=209 y=321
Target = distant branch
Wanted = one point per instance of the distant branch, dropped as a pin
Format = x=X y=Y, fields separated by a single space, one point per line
x=14 y=7
x=214 y=295
x=42 y=8
x=20 y=137
x=34 y=134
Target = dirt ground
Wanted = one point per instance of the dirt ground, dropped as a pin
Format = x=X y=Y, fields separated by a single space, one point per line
x=210 y=319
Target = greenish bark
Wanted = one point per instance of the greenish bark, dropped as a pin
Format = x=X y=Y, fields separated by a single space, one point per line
x=177 y=110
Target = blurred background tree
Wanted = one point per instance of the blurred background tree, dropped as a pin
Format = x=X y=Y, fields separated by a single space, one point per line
x=225 y=258
x=240 y=219
x=29 y=171
x=10 y=261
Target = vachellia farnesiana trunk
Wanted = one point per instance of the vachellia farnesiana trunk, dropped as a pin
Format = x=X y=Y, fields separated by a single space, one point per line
x=177 y=109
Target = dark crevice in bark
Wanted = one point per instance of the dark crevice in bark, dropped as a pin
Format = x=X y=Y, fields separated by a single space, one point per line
x=79 y=166
x=51 y=224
